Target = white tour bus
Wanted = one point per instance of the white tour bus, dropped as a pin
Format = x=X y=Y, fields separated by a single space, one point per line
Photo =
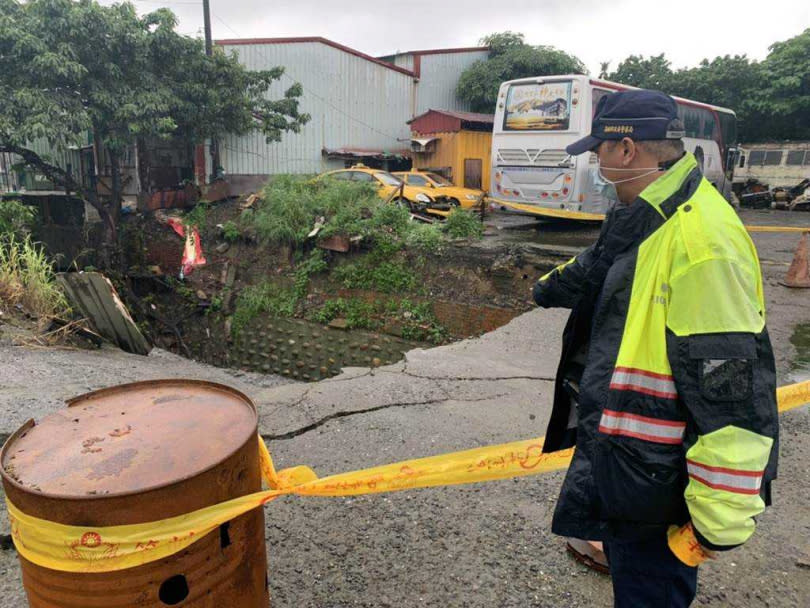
x=536 y=118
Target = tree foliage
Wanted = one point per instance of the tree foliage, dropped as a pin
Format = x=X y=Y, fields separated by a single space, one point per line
x=771 y=97
x=73 y=67
x=510 y=57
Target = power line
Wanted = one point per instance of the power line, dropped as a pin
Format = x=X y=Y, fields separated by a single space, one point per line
x=310 y=91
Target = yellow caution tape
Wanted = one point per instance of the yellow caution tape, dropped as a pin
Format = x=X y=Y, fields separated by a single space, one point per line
x=105 y=549
x=750 y=228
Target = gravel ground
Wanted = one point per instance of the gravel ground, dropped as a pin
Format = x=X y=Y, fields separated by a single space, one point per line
x=472 y=546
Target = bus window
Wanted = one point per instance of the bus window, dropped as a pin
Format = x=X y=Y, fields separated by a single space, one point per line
x=538 y=107
x=756 y=158
x=773 y=158
x=795 y=157
x=596 y=95
x=709 y=125
x=728 y=129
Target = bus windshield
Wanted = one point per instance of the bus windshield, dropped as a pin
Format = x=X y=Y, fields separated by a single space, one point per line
x=538 y=107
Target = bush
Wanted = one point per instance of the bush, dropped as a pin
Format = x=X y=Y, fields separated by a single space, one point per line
x=463 y=224
x=16 y=218
x=230 y=231
x=27 y=278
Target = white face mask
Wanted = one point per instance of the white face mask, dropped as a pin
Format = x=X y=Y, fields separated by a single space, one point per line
x=649 y=171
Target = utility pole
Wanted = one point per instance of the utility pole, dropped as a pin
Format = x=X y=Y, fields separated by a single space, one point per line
x=209 y=51
x=207 y=20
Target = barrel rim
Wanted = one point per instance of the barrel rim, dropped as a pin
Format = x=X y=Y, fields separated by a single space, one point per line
x=73 y=401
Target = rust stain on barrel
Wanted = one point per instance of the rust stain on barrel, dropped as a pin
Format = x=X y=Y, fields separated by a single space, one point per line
x=138 y=453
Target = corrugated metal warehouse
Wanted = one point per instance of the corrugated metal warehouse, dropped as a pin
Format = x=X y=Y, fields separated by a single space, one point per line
x=360 y=105
x=438 y=72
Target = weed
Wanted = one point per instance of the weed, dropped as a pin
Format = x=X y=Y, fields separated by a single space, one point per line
x=230 y=231
x=420 y=323
x=291 y=206
x=27 y=278
x=264 y=298
x=358 y=313
x=197 y=216
x=427 y=237
x=463 y=224
x=16 y=218
x=386 y=276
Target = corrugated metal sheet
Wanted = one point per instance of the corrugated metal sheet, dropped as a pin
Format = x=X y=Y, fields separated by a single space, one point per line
x=435 y=121
x=439 y=75
x=64 y=158
x=451 y=151
x=353 y=102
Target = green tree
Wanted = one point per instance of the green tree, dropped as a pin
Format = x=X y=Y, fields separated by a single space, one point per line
x=510 y=57
x=73 y=67
x=786 y=98
x=646 y=73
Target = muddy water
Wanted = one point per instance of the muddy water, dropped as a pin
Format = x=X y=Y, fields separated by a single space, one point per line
x=800 y=367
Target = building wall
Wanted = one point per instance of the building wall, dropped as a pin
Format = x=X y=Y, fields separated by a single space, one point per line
x=771 y=160
x=438 y=76
x=452 y=149
x=354 y=103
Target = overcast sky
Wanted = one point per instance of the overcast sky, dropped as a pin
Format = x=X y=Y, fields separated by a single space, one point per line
x=594 y=30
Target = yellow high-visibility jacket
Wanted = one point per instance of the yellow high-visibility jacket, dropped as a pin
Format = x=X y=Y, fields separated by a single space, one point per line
x=668 y=359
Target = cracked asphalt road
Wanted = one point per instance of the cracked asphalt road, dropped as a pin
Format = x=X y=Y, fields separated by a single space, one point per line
x=485 y=545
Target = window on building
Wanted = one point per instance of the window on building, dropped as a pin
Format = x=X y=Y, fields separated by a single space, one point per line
x=773 y=158
x=796 y=157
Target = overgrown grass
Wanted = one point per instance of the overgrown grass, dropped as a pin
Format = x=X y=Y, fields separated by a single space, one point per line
x=357 y=312
x=16 y=219
x=27 y=278
x=264 y=298
x=415 y=319
x=463 y=224
x=291 y=206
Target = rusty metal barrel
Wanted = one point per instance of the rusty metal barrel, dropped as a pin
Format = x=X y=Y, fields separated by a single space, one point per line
x=137 y=453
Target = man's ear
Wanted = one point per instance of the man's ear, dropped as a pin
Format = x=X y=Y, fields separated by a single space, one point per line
x=629 y=150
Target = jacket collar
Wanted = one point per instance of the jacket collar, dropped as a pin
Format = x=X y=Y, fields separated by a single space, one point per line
x=670 y=184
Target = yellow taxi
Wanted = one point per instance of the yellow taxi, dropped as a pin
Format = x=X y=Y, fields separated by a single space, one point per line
x=388 y=185
x=458 y=196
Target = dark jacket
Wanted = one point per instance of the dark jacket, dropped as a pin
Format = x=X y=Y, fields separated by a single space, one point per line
x=667 y=356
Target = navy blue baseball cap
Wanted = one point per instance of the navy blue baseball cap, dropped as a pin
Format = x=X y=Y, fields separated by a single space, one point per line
x=640 y=115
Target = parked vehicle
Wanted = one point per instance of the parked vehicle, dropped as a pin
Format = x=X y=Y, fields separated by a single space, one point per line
x=536 y=118
x=391 y=187
x=457 y=196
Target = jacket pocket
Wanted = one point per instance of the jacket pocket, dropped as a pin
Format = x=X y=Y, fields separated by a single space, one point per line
x=639 y=481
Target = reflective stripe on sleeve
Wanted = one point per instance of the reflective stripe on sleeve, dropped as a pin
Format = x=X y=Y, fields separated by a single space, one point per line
x=722 y=478
x=642 y=427
x=643 y=381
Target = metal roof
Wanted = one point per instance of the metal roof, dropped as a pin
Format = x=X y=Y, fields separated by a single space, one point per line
x=326 y=41
x=465 y=116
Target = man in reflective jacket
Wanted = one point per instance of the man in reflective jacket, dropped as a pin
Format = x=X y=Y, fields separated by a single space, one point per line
x=667 y=384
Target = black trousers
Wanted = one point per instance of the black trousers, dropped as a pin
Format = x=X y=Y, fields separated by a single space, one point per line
x=646 y=574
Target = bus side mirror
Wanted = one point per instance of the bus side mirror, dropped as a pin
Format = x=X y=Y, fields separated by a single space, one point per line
x=742 y=161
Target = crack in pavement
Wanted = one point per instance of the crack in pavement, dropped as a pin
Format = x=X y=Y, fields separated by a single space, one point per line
x=405 y=371
x=344 y=414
